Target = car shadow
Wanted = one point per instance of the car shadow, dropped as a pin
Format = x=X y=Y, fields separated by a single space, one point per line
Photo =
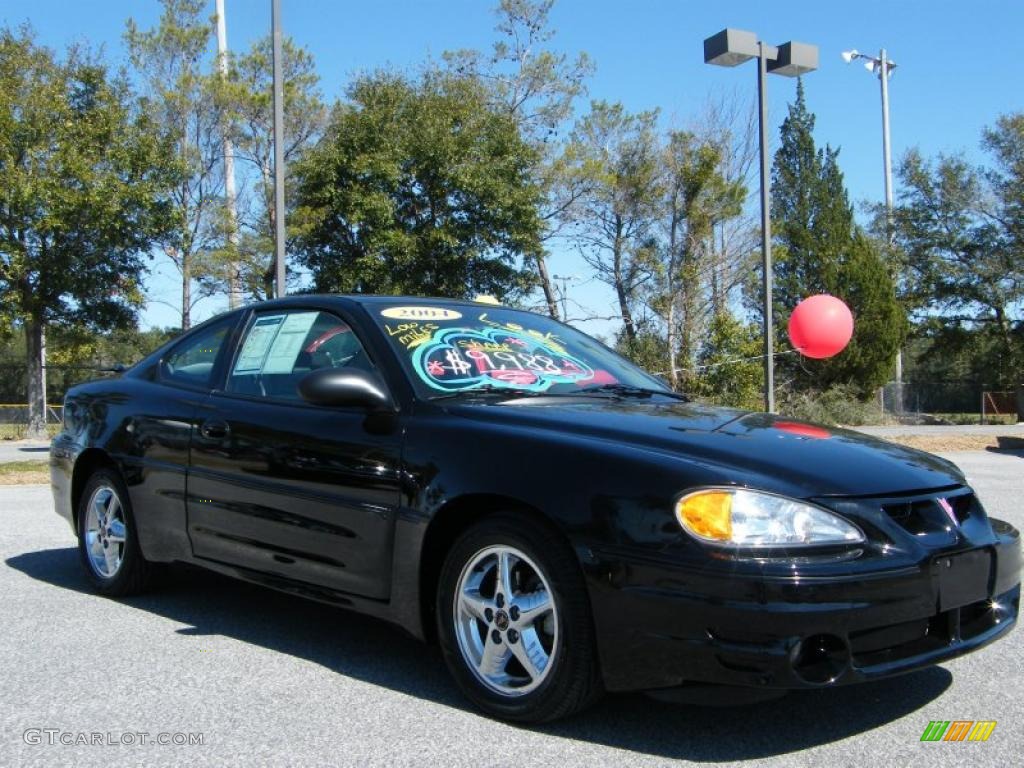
x=1012 y=446
x=373 y=651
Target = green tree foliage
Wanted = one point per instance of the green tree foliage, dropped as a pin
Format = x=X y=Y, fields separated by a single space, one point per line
x=538 y=87
x=811 y=214
x=821 y=250
x=960 y=230
x=418 y=187
x=863 y=281
x=171 y=62
x=81 y=175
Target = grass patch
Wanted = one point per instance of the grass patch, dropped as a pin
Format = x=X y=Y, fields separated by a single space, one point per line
x=942 y=443
x=24 y=473
x=20 y=431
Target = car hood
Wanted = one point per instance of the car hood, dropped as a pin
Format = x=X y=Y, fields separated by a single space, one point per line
x=788 y=455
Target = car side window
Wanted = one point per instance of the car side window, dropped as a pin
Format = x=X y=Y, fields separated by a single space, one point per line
x=192 y=361
x=280 y=348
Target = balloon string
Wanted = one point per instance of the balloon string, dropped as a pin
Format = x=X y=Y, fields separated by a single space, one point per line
x=727 y=362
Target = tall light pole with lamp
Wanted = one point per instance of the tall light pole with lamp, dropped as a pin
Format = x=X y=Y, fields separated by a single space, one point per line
x=729 y=48
x=280 y=283
x=882 y=66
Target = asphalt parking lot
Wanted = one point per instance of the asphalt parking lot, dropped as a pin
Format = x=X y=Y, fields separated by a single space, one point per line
x=270 y=680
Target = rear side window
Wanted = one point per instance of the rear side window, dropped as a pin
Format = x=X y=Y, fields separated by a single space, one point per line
x=192 y=361
x=280 y=348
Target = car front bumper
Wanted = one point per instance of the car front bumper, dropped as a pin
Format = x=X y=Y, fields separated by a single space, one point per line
x=662 y=625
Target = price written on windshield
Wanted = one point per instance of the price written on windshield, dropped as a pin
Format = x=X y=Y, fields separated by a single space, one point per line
x=463 y=358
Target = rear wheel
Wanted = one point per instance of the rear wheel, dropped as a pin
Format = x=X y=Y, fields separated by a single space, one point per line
x=514 y=621
x=107 y=542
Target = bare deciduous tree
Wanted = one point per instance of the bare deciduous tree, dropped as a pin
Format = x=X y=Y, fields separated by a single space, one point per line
x=171 y=60
x=613 y=221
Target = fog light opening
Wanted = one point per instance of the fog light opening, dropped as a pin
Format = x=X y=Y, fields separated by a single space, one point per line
x=820 y=659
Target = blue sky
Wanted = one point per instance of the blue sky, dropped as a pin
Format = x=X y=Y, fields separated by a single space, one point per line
x=958 y=67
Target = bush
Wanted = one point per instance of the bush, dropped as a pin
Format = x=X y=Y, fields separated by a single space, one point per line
x=838 y=405
x=731 y=372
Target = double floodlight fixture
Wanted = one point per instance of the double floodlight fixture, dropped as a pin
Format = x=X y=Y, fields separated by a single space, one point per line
x=731 y=47
x=872 y=64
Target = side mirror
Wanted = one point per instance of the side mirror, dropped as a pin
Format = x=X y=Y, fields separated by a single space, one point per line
x=346 y=387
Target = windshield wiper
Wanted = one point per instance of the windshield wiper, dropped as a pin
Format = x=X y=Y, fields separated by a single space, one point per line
x=627 y=390
x=614 y=390
x=488 y=389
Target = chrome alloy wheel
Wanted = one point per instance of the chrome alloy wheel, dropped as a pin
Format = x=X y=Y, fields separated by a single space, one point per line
x=505 y=620
x=105 y=532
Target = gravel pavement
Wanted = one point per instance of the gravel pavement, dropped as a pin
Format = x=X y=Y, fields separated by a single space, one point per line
x=271 y=680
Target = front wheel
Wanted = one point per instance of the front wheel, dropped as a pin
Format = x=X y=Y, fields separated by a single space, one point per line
x=107 y=541
x=514 y=621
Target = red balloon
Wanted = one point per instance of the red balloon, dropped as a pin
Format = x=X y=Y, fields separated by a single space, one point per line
x=820 y=326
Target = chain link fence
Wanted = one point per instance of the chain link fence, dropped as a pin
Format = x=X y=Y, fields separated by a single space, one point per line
x=965 y=402
x=59 y=379
x=14 y=385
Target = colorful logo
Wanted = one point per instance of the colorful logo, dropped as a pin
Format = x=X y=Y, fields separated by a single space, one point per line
x=457 y=359
x=958 y=730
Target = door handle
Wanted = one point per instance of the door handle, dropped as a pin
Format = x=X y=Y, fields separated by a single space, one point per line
x=215 y=429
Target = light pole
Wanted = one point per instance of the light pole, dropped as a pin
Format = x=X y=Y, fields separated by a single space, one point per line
x=729 y=48
x=230 y=197
x=883 y=67
x=279 y=275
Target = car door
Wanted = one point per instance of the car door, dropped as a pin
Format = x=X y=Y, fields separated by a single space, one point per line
x=154 y=418
x=283 y=487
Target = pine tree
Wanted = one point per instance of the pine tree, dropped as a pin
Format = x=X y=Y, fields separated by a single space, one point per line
x=820 y=249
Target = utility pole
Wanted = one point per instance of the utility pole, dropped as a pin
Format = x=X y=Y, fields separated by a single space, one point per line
x=882 y=67
x=234 y=288
x=563 y=294
x=883 y=76
x=279 y=273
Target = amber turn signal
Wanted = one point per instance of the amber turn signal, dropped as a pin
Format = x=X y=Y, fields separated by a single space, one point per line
x=707 y=514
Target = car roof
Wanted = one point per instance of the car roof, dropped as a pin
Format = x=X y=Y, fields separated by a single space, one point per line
x=376 y=300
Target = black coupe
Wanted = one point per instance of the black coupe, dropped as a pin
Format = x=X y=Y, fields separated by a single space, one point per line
x=559 y=521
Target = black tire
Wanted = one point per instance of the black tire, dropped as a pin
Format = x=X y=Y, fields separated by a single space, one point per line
x=134 y=573
x=572 y=678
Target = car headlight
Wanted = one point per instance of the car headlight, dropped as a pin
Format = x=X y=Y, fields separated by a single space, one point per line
x=741 y=518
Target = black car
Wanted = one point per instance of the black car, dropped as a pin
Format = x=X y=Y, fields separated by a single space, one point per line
x=559 y=521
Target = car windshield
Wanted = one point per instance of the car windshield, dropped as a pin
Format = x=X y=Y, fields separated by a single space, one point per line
x=465 y=348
